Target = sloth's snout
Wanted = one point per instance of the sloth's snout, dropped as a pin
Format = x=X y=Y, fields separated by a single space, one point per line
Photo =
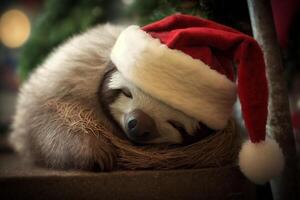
x=139 y=126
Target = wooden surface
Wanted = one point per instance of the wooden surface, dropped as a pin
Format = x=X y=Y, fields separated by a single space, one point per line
x=21 y=181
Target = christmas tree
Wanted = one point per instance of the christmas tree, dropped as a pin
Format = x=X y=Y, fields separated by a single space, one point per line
x=60 y=20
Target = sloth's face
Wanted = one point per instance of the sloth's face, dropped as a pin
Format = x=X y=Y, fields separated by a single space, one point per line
x=146 y=120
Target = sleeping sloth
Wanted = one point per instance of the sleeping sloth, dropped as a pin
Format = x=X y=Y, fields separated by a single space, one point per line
x=80 y=71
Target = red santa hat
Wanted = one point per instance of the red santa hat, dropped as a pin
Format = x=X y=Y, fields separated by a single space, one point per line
x=188 y=63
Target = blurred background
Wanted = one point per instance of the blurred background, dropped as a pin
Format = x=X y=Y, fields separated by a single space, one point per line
x=30 y=29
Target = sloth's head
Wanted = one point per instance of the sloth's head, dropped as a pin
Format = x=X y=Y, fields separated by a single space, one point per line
x=144 y=119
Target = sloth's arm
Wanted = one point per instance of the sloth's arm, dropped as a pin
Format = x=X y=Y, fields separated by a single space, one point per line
x=64 y=135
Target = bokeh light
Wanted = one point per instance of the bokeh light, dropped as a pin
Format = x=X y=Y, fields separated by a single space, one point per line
x=14 y=28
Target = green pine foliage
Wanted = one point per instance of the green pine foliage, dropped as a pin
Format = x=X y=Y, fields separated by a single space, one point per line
x=60 y=19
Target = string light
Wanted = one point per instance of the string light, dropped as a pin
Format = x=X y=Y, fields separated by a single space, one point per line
x=14 y=28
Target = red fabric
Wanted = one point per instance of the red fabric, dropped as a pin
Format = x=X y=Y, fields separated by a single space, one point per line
x=296 y=120
x=219 y=46
x=284 y=13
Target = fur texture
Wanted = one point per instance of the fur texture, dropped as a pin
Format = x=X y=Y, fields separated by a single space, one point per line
x=160 y=112
x=49 y=126
x=71 y=75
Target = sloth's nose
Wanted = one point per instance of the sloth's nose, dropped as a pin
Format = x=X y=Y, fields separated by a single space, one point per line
x=139 y=126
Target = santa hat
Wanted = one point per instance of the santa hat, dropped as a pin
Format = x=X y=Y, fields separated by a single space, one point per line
x=187 y=62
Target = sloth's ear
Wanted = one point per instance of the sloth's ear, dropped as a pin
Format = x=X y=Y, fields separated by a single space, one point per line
x=107 y=95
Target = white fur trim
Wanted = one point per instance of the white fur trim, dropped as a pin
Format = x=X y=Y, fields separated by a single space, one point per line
x=261 y=161
x=174 y=77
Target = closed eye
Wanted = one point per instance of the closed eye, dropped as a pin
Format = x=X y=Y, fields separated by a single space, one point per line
x=126 y=92
x=187 y=138
x=178 y=126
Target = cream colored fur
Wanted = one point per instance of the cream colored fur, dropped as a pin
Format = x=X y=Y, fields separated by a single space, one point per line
x=72 y=73
x=175 y=78
x=156 y=109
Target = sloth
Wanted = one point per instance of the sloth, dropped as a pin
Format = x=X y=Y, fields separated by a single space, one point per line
x=80 y=71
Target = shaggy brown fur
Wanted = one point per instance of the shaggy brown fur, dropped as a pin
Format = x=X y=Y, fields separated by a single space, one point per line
x=215 y=151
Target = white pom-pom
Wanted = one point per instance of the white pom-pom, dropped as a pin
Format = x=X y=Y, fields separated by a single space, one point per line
x=261 y=161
